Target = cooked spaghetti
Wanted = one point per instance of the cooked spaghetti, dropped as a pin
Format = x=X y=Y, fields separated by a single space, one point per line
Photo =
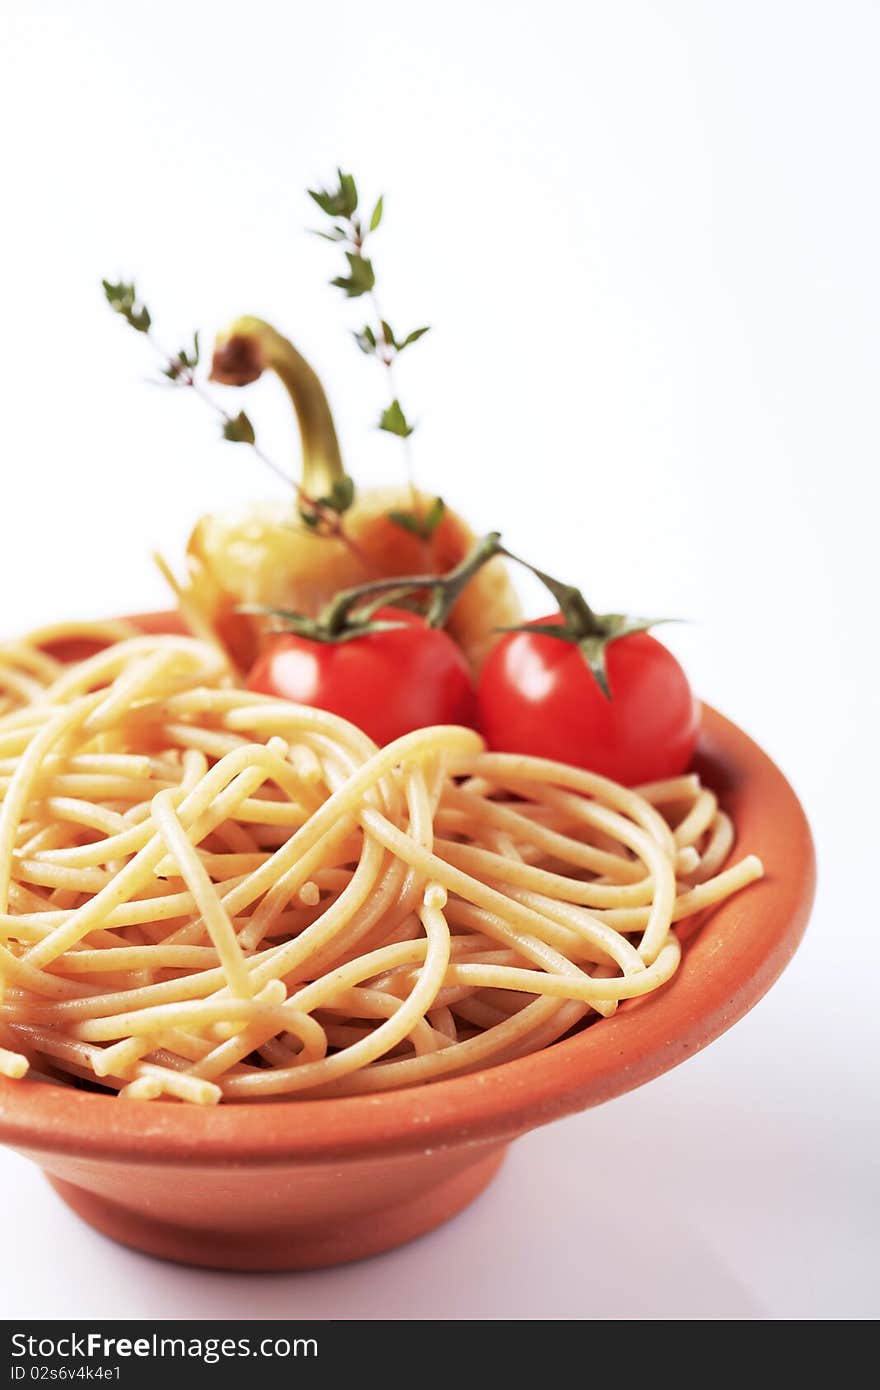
x=27 y=667
x=208 y=894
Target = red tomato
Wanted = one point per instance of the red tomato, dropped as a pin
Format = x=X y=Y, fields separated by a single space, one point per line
x=387 y=683
x=537 y=695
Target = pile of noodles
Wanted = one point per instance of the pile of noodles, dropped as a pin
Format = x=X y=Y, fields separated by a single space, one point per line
x=208 y=894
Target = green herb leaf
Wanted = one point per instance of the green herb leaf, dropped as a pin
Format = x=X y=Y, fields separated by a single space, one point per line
x=377 y=214
x=393 y=343
x=423 y=525
x=433 y=517
x=394 y=421
x=341 y=495
x=337 y=202
x=123 y=300
x=326 y=201
x=239 y=430
x=192 y=360
x=366 y=339
x=412 y=337
x=184 y=361
x=407 y=521
x=337 y=234
x=361 y=278
x=348 y=193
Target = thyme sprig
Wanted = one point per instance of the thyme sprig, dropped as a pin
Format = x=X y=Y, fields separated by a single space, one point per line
x=377 y=338
x=179 y=368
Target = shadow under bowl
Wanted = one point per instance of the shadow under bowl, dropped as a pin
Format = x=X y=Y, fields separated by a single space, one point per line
x=305 y=1183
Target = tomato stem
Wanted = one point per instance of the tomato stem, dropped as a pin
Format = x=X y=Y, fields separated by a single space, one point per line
x=444 y=589
x=589 y=631
x=572 y=604
x=351 y=614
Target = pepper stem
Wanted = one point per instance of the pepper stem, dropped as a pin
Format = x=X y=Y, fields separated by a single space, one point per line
x=241 y=355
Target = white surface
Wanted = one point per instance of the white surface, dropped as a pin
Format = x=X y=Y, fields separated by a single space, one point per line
x=646 y=236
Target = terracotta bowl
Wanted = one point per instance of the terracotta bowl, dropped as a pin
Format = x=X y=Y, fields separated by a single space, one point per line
x=300 y=1184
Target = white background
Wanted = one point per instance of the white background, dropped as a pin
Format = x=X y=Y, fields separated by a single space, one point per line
x=646 y=235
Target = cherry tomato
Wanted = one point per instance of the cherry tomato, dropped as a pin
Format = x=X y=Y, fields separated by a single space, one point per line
x=537 y=695
x=387 y=683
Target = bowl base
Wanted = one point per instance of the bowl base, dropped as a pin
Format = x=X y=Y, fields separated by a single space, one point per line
x=366 y=1234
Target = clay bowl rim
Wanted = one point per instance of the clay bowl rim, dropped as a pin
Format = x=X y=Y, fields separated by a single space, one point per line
x=733 y=957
